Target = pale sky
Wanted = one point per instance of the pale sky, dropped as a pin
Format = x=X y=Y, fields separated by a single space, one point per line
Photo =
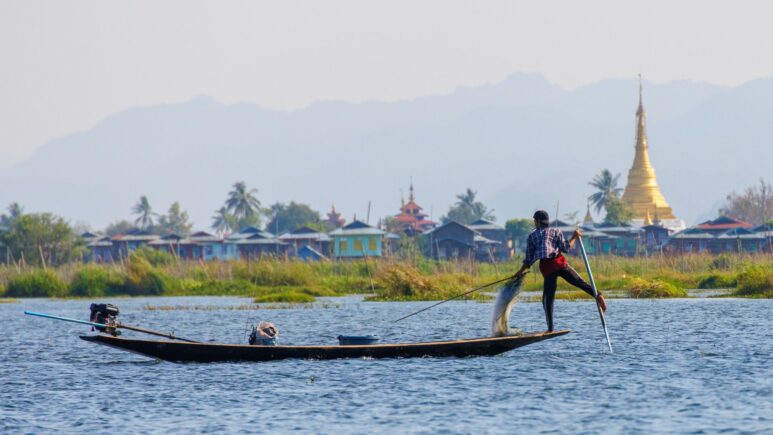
x=68 y=64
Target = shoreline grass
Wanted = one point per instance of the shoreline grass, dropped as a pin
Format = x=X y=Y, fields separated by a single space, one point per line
x=381 y=280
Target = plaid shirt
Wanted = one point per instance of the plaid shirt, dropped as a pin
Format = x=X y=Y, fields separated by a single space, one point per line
x=543 y=243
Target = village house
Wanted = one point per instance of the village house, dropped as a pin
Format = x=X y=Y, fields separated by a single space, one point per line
x=456 y=241
x=305 y=236
x=609 y=239
x=491 y=231
x=198 y=246
x=253 y=243
x=125 y=244
x=357 y=240
x=723 y=234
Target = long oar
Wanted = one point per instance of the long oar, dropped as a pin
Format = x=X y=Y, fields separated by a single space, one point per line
x=102 y=325
x=595 y=293
x=452 y=298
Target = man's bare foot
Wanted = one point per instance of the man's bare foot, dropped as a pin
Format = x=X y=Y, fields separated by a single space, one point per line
x=602 y=303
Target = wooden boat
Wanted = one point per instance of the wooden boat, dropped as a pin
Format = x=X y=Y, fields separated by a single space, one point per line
x=209 y=352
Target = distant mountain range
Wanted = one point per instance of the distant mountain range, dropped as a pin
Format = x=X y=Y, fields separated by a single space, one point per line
x=522 y=144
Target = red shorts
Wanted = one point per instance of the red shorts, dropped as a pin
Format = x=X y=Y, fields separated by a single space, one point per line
x=549 y=266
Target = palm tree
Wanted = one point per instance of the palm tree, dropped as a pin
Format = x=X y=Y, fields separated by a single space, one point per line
x=221 y=220
x=144 y=213
x=241 y=202
x=480 y=211
x=15 y=210
x=606 y=184
x=466 y=199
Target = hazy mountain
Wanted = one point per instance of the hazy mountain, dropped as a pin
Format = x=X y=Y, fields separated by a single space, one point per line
x=522 y=143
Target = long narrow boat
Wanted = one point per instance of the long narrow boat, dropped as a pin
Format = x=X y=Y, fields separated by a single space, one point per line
x=207 y=352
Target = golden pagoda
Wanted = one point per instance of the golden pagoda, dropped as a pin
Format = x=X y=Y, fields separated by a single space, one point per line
x=588 y=218
x=642 y=192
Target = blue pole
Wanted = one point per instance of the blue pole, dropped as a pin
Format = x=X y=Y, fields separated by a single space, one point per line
x=66 y=319
x=595 y=292
x=117 y=325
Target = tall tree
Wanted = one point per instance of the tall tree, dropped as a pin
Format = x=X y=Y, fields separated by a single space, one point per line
x=243 y=204
x=14 y=211
x=175 y=221
x=606 y=186
x=41 y=237
x=144 y=213
x=287 y=217
x=119 y=227
x=618 y=212
x=754 y=205
x=224 y=221
x=468 y=209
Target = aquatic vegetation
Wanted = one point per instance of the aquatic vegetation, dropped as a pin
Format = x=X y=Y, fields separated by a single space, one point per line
x=644 y=288
x=287 y=296
x=36 y=283
x=755 y=281
x=717 y=281
x=148 y=307
x=8 y=301
x=405 y=282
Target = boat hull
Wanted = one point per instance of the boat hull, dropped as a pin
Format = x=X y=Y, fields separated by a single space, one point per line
x=208 y=352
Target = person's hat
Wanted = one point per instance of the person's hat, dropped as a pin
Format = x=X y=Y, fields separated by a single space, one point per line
x=542 y=217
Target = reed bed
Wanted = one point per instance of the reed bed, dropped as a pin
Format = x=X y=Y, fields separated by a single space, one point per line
x=382 y=279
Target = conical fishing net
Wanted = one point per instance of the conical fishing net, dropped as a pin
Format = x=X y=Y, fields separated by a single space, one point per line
x=508 y=293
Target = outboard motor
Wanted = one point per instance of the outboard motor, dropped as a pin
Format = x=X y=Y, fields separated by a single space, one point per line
x=104 y=314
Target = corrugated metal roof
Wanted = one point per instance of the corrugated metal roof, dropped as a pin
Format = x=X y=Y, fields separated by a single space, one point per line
x=480 y=239
x=259 y=241
x=135 y=238
x=483 y=224
x=369 y=231
x=100 y=243
x=322 y=237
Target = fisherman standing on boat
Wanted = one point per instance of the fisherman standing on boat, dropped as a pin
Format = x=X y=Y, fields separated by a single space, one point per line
x=547 y=244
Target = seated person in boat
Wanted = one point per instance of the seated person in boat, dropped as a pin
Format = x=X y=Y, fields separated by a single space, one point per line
x=547 y=245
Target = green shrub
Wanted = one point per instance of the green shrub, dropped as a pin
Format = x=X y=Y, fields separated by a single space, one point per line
x=643 y=288
x=403 y=282
x=142 y=279
x=755 y=281
x=717 y=280
x=274 y=273
x=95 y=281
x=36 y=284
x=288 y=296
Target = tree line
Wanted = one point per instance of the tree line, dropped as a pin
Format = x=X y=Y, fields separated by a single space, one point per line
x=45 y=239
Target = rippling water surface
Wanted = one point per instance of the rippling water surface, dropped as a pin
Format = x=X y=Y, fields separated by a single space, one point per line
x=681 y=366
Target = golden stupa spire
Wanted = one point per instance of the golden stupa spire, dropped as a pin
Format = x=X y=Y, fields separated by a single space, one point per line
x=648 y=219
x=588 y=218
x=410 y=195
x=642 y=192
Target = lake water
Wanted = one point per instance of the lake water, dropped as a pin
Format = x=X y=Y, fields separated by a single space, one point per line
x=680 y=366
